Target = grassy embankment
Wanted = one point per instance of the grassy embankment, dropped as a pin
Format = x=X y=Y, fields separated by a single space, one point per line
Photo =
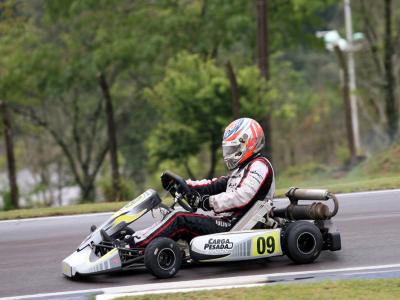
x=387 y=289
x=380 y=172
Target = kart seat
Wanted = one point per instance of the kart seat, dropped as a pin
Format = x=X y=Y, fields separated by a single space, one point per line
x=254 y=215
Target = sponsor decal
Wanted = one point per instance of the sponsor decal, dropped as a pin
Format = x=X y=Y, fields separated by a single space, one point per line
x=232 y=186
x=218 y=244
x=256 y=173
x=222 y=223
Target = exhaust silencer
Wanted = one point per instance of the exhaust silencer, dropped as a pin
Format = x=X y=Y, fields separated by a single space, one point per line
x=314 y=211
x=307 y=194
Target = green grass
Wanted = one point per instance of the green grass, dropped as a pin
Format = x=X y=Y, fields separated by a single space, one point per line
x=59 y=211
x=381 y=171
x=353 y=289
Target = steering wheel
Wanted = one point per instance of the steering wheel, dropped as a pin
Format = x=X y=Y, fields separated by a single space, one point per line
x=181 y=187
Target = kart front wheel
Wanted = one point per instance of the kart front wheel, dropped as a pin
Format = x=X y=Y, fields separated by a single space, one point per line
x=162 y=257
x=302 y=242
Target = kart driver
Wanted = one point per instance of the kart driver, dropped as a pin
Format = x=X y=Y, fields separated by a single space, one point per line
x=228 y=197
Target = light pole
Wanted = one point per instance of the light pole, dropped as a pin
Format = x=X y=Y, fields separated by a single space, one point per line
x=335 y=43
x=352 y=77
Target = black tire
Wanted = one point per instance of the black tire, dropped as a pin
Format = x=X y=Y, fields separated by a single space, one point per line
x=302 y=242
x=162 y=257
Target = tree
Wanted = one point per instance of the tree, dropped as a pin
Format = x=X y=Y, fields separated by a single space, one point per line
x=391 y=107
x=48 y=90
x=87 y=50
x=193 y=99
x=263 y=64
x=11 y=168
x=112 y=138
x=135 y=82
x=234 y=90
x=9 y=22
x=377 y=65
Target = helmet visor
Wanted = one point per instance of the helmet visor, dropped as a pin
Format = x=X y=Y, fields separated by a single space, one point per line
x=229 y=150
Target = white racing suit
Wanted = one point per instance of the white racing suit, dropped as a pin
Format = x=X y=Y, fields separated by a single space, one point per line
x=230 y=197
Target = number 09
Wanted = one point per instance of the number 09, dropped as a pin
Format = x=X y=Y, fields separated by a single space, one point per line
x=265 y=244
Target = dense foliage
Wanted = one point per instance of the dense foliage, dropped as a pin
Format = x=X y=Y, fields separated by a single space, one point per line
x=163 y=67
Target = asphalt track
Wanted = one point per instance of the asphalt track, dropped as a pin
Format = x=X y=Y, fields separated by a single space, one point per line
x=31 y=250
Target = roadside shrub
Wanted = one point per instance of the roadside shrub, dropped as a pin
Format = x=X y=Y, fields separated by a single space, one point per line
x=7 y=203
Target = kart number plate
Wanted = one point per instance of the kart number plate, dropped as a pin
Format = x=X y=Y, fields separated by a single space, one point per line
x=268 y=244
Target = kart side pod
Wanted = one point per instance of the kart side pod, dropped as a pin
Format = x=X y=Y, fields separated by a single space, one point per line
x=239 y=245
x=314 y=211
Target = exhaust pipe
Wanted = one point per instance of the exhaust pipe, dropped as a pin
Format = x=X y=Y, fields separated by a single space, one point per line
x=314 y=211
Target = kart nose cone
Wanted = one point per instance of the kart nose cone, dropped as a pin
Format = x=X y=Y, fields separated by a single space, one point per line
x=85 y=261
x=75 y=262
x=66 y=269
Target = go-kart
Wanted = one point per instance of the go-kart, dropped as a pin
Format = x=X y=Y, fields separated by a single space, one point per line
x=300 y=231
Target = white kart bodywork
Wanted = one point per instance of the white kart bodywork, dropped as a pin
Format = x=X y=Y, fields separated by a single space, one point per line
x=85 y=261
x=234 y=246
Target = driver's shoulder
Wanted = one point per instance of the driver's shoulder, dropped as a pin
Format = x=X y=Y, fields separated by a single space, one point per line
x=259 y=167
x=258 y=162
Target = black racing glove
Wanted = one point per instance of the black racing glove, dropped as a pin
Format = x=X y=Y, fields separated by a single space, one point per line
x=167 y=180
x=197 y=201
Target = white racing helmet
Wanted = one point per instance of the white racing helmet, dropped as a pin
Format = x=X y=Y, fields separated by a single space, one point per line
x=242 y=139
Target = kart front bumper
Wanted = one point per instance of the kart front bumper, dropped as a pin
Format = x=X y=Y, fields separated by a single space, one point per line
x=86 y=262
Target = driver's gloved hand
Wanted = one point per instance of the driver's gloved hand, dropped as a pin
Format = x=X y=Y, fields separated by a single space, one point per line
x=197 y=201
x=166 y=180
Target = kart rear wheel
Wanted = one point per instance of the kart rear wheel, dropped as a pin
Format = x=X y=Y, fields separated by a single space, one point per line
x=302 y=242
x=162 y=257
